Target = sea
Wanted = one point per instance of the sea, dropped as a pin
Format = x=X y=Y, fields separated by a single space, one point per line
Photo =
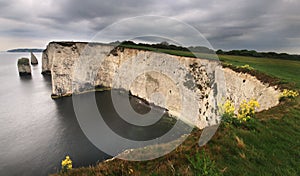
x=37 y=132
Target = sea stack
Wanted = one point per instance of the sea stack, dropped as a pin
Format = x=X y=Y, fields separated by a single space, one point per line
x=24 y=67
x=34 y=60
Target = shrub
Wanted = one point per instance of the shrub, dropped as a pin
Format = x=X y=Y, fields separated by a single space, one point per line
x=66 y=164
x=229 y=108
x=227 y=111
x=247 y=110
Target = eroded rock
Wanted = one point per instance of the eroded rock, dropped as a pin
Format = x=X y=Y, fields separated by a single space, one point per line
x=34 y=60
x=24 y=67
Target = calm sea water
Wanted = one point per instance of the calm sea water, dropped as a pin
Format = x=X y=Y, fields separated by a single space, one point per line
x=36 y=132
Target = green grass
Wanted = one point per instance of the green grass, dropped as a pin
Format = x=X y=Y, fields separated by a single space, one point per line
x=173 y=52
x=202 y=165
x=270 y=144
x=273 y=148
x=286 y=70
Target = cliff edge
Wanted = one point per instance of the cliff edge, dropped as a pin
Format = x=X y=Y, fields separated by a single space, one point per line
x=78 y=66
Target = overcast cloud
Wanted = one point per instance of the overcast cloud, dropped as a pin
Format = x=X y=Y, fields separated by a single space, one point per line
x=264 y=25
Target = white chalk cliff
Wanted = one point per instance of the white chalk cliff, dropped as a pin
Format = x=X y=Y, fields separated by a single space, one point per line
x=187 y=87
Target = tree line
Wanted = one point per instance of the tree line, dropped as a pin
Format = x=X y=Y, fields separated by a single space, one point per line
x=202 y=49
x=254 y=53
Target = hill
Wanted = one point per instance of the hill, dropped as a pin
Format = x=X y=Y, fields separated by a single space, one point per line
x=26 y=50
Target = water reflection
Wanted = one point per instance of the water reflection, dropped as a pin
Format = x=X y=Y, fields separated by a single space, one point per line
x=26 y=78
x=71 y=138
x=128 y=130
x=47 y=81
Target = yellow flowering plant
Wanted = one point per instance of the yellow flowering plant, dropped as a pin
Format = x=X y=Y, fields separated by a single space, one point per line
x=66 y=164
x=248 y=67
x=227 y=111
x=247 y=110
x=288 y=94
x=229 y=108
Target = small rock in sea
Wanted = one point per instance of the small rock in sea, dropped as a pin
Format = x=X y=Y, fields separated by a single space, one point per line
x=24 y=67
x=34 y=60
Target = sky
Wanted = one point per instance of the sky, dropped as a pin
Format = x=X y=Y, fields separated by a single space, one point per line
x=262 y=25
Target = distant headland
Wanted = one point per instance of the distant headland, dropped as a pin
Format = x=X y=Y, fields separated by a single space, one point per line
x=26 y=50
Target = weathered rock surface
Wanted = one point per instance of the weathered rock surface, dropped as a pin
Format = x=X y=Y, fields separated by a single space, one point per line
x=241 y=86
x=34 y=60
x=191 y=87
x=24 y=67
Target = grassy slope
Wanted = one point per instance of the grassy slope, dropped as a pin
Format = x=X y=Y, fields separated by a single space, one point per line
x=271 y=145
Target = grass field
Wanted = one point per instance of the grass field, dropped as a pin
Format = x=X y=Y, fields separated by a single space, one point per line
x=286 y=70
x=270 y=145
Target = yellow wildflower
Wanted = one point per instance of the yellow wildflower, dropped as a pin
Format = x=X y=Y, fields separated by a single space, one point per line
x=66 y=164
x=248 y=67
x=289 y=94
x=247 y=110
x=229 y=108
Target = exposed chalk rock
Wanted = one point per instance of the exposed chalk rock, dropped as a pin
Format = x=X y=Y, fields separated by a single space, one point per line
x=34 y=60
x=197 y=82
x=24 y=67
x=241 y=86
x=46 y=70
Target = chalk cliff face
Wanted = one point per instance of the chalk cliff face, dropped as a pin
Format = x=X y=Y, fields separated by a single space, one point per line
x=187 y=87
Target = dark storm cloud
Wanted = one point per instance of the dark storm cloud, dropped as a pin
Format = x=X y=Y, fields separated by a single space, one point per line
x=232 y=24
